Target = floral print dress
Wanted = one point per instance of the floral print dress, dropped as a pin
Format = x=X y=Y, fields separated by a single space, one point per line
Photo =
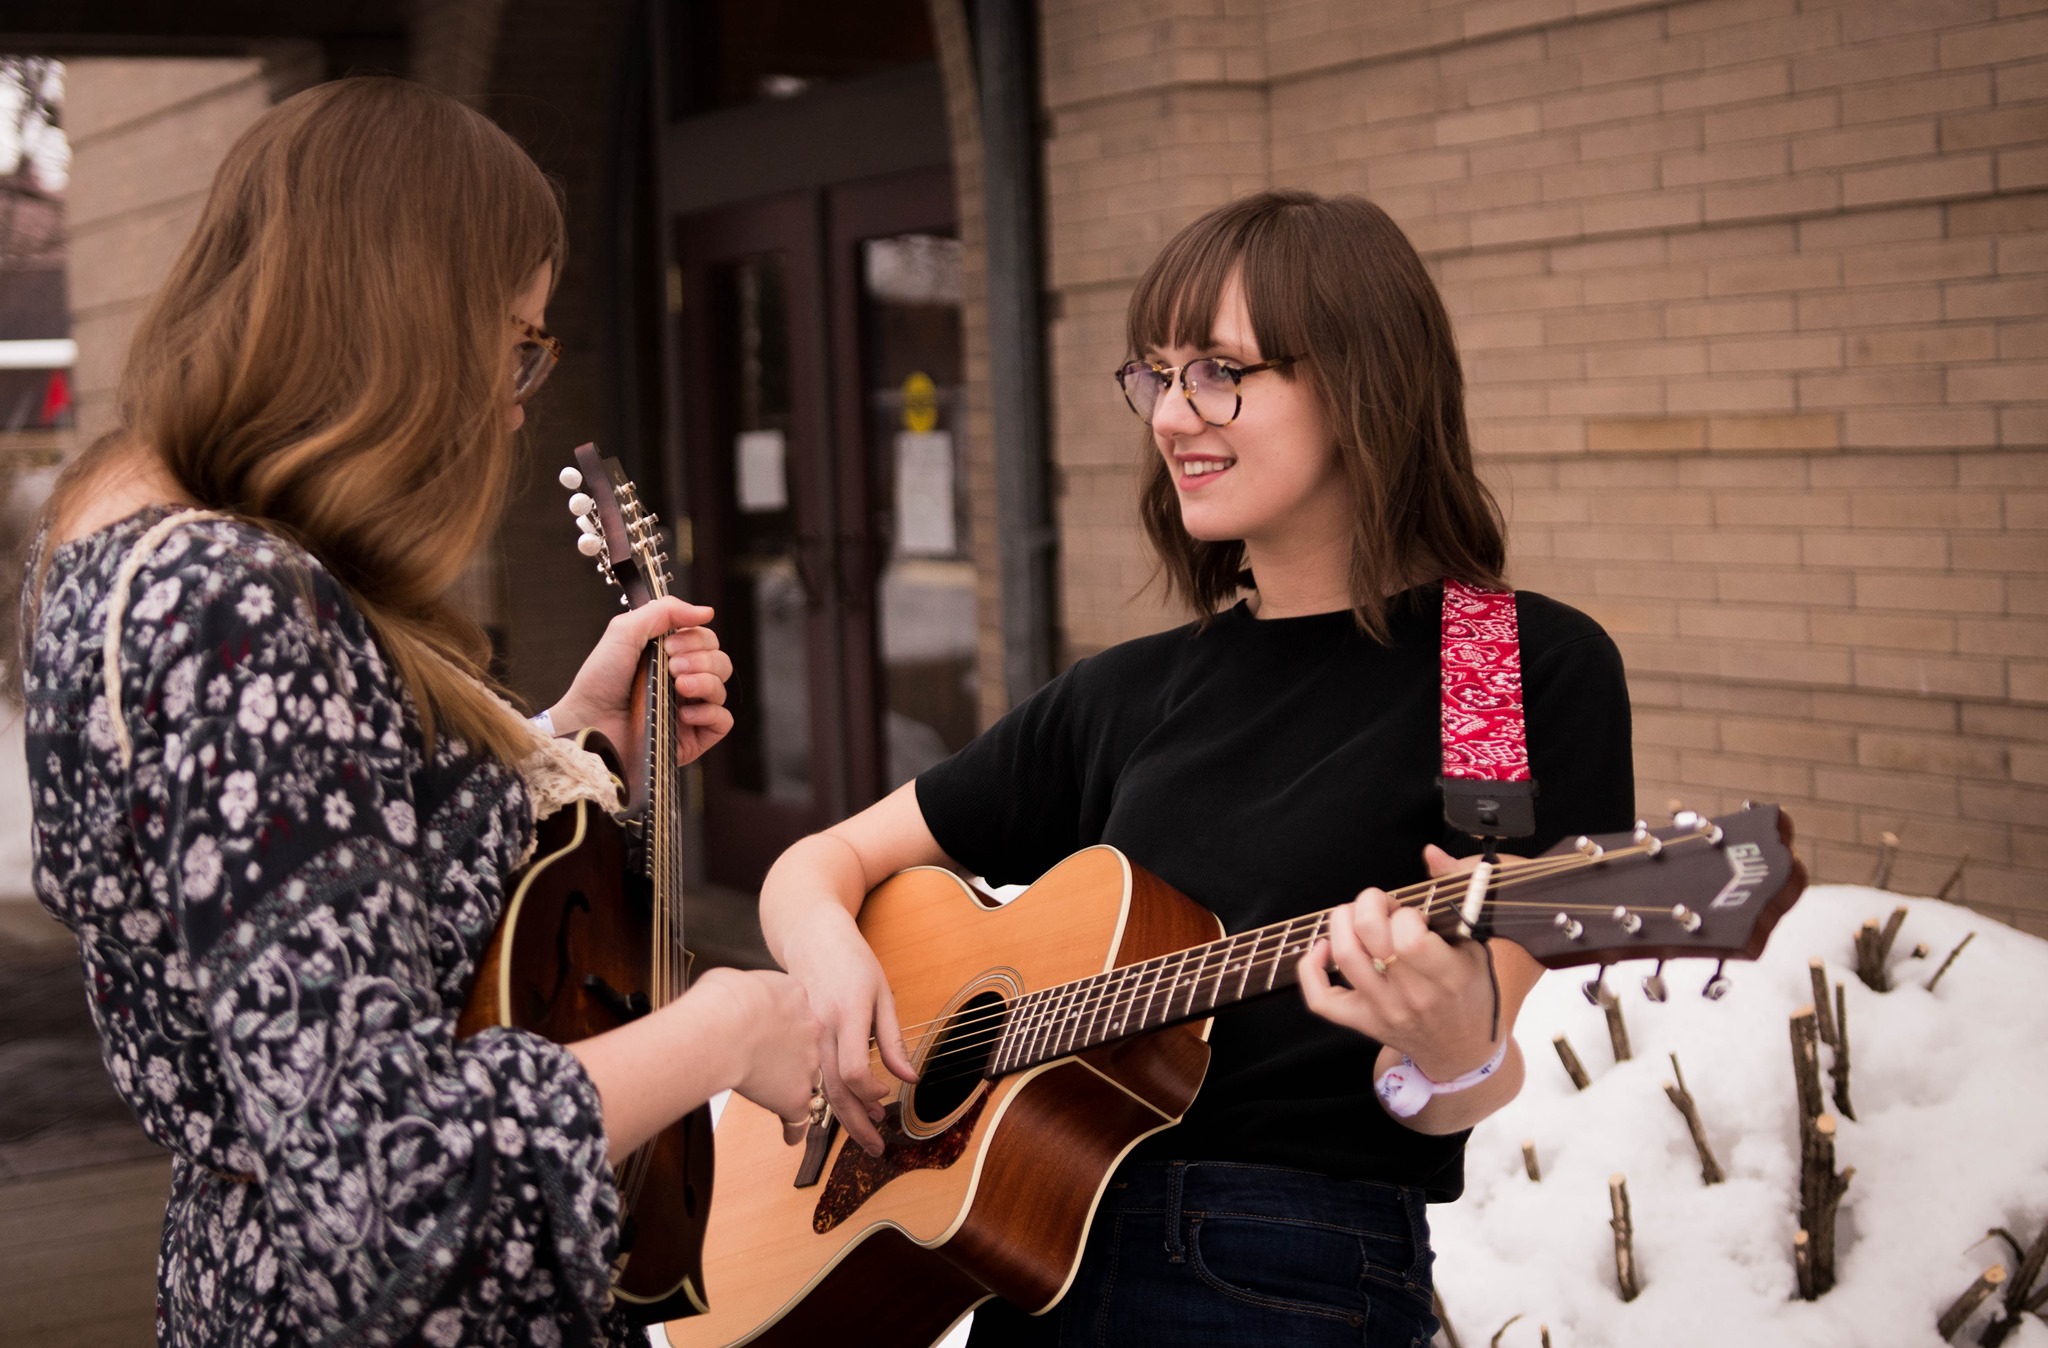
x=280 y=900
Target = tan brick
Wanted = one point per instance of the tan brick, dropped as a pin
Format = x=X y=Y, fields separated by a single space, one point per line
x=2005 y=722
x=1644 y=474
x=2026 y=510
x=1865 y=145
x=1726 y=163
x=1676 y=730
x=1656 y=434
x=1993 y=43
x=1535 y=363
x=1923 y=346
x=1884 y=711
x=2014 y=382
x=1785 y=664
x=1647 y=135
x=1870 y=547
x=1783 y=117
x=1647 y=210
x=1736 y=355
x=1946 y=755
x=1884 y=470
x=1926 y=510
x=1953 y=427
x=1917 y=97
x=1938 y=674
x=1749 y=699
x=1652 y=582
x=1806 y=194
x=1488 y=194
x=2028 y=681
x=1931 y=593
x=2019 y=83
x=1489 y=124
x=1730 y=393
x=1603 y=323
x=2024 y=594
x=1741 y=547
x=1957 y=176
x=1871 y=388
x=1482 y=333
x=2026 y=124
x=1668 y=57
x=1615 y=545
x=1637 y=507
x=1870 y=308
x=1745 y=471
x=1747 y=623
x=1641 y=397
x=1865 y=63
x=1998 y=215
x=1858 y=228
x=2001 y=552
x=1818 y=29
x=1795 y=508
x=1886 y=631
x=1636 y=285
x=1752 y=276
x=1739 y=84
x=1632 y=617
x=1891 y=264
x=2028 y=254
x=1603 y=177
x=2026 y=637
x=1716 y=317
x=1887 y=790
x=1528 y=436
x=1525 y=226
x=1770 y=585
x=1765 y=777
x=1659 y=358
x=2022 y=169
x=1771 y=738
x=2022 y=426
x=1805 y=431
x=2014 y=803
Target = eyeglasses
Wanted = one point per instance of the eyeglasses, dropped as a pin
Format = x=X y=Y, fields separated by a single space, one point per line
x=536 y=356
x=1210 y=385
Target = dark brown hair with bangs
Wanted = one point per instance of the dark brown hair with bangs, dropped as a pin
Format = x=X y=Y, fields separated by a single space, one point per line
x=1333 y=282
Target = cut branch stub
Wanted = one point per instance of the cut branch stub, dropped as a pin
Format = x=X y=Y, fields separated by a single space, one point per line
x=1625 y=1273
x=1820 y=1195
x=1617 y=1030
x=1967 y=938
x=2017 y=1290
x=1839 y=1068
x=1966 y=1305
x=1529 y=1161
x=1806 y=1063
x=1817 y=971
x=1710 y=1169
x=1572 y=1066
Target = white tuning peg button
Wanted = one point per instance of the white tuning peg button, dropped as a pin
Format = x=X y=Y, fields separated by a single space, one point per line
x=586 y=524
x=590 y=545
x=580 y=504
x=570 y=478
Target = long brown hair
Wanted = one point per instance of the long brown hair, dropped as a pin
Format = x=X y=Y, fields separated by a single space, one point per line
x=1333 y=282
x=328 y=359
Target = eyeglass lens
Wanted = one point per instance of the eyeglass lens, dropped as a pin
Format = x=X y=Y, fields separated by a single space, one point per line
x=1210 y=387
x=536 y=362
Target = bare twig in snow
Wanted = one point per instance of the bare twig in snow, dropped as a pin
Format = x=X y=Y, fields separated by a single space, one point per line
x=1806 y=1064
x=1887 y=848
x=1966 y=1305
x=1820 y=1194
x=1494 y=1342
x=1529 y=1161
x=1824 y=1025
x=1624 y=1238
x=1710 y=1169
x=2015 y=1303
x=1969 y=937
x=1955 y=877
x=1436 y=1302
x=1617 y=1031
x=1839 y=1068
x=1573 y=1068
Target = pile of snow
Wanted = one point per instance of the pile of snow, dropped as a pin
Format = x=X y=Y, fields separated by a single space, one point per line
x=1950 y=1090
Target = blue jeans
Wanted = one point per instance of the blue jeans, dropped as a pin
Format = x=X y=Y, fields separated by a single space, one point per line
x=1208 y=1254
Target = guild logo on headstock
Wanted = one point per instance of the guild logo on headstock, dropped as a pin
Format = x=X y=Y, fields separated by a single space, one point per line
x=1746 y=860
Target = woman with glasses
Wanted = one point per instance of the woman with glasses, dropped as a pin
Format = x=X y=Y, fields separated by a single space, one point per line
x=1308 y=487
x=277 y=797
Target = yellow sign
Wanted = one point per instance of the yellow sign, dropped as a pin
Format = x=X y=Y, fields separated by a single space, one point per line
x=920 y=403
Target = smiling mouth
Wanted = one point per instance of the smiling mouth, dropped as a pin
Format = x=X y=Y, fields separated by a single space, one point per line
x=1197 y=468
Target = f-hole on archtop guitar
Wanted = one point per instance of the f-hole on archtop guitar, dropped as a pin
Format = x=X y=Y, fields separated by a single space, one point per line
x=592 y=936
x=1054 y=1033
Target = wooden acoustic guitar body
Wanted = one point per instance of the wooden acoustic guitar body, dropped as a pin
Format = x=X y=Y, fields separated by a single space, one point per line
x=573 y=958
x=986 y=1187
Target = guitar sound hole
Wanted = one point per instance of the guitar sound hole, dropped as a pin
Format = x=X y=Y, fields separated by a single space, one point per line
x=958 y=1062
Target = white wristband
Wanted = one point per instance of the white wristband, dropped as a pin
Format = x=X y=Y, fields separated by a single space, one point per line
x=544 y=723
x=1404 y=1089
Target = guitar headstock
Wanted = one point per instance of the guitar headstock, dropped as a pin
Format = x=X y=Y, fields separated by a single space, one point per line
x=619 y=533
x=1711 y=888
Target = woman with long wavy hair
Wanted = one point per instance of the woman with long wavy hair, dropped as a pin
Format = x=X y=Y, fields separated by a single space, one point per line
x=277 y=798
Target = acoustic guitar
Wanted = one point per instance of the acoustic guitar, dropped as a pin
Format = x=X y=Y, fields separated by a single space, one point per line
x=1054 y=1033
x=592 y=936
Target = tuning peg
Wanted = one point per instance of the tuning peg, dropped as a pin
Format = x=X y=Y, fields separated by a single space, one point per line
x=590 y=545
x=1688 y=818
x=586 y=524
x=1596 y=988
x=570 y=478
x=1717 y=985
x=1653 y=986
x=580 y=504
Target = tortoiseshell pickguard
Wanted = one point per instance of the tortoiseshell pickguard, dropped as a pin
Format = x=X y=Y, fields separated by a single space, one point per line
x=856 y=1176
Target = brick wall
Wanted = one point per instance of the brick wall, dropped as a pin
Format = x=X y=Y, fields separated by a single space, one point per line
x=146 y=137
x=1753 y=296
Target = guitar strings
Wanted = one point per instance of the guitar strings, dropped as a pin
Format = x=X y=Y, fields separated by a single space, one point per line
x=1086 y=1002
x=1423 y=893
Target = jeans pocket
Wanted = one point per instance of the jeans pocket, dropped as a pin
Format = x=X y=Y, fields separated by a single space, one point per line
x=1305 y=1268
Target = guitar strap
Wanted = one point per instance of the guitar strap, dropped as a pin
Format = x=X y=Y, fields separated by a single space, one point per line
x=1488 y=791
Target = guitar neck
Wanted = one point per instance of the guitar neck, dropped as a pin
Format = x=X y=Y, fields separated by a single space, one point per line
x=663 y=828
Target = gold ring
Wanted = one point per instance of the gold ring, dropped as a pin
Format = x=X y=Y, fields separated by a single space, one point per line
x=1380 y=966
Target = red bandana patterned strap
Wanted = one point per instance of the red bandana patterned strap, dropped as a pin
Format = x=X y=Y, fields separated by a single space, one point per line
x=1484 y=737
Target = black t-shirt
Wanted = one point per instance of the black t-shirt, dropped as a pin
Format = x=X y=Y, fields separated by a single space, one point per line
x=1266 y=769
